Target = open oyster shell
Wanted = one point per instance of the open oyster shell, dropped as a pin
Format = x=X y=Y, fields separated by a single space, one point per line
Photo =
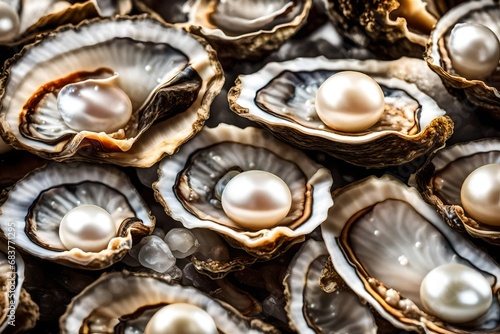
x=483 y=93
x=381 y=230
x=440 y=181
x=187 y=184
x=313 y=310
x=170 y=77
x=281 y=97
x=126 y=302
x=36 y=204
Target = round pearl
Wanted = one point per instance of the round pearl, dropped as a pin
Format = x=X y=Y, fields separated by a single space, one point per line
x=9 y=22
x=474 y=50
x=256 y=199
x=181 y=318
x=455 y=293
x=94 y=106
x=87 y=227
x=480 y=194
x=350 y=101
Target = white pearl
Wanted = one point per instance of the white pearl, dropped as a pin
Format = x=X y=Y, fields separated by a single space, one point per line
x=350 y=101
x=94 y=105
x=256 y=199
x=480 y=194
x=88 y=227
x=9 y=22
x=181 y=318
x=455 y=293
x=474 y=50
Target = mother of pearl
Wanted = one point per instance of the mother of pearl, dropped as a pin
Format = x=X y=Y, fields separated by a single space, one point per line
x=480 y=194
x=181 y=318
x=256 y=199
x=9 y=22
x=455 y=293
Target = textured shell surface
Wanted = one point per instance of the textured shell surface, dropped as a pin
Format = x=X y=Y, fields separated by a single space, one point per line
x=411 y=239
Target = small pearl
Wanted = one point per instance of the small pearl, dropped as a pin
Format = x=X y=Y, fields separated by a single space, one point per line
x=181 y=318
x=455 y=293
x=93 y=105
x=480 y=194
x=87 y=227
x=9 y=22
x=350 y=101
x=256 y=199
x=474 y=50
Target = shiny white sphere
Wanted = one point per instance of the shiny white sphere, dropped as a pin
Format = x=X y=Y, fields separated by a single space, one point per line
x=455 y=293
x=181 y=318
x=94 y=106
x=88 y=227
x=350 y=101
x=256 y=199
x=9 y=22
x=474 y=50
x=480 y=194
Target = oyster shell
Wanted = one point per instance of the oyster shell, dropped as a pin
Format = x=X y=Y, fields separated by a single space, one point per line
x=170 y=77
x=381 y=230
x=485 y=92
x=36 y=205
x=281 y=97
x=103 y=307
x=188 y=183
x=440 y=181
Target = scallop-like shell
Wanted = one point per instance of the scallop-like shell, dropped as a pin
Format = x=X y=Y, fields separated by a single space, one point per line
x=381 y=231
x=440 y=181
x=482 y=93
x=170 y=76
x=281 y=97
x=312 y=310
x=128 y=300
x=36 y=204
x=187 y=181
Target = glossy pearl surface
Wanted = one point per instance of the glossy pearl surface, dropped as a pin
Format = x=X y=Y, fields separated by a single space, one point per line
x=349 y=101
x=474 y=50
x=256 y=199
x=88 y=227
x=181 y=318
x=480 y=194
x=455 y=293
x=9 y=22
x=96 y=106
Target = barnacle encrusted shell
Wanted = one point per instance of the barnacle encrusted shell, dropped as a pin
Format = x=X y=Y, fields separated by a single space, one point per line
x=281 y=97
x=126 y=301
x=36 y=204
x=170 y=76
x=310 y=309
x=379 y=231
x=187 y=184
x=483 y=93
x=440 y=181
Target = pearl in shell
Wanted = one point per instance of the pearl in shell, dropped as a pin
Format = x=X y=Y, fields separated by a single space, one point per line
x=474 y=50
x=88 y=227
x=455 y=293
x=9 y=22
x=181 y=318
x=349 y=101
x=480 y=194
x=256 y=199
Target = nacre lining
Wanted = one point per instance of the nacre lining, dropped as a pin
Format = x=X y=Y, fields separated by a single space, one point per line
x=9 y=22
x=181 y=318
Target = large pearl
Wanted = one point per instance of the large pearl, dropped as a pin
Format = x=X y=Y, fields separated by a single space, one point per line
x=350 y=101
x=9 y=22
x=480 y=194
x=256 y=199
x=474 y=50
x=88 y=227
x=94 y=105
x=181 y=318
x=455 y=293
